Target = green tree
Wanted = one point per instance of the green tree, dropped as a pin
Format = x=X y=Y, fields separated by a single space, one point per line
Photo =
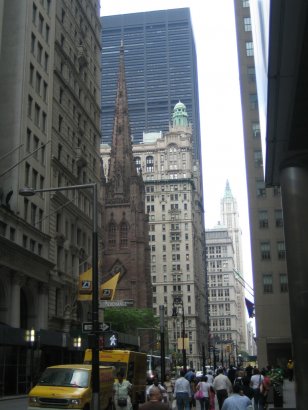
x=128 y=320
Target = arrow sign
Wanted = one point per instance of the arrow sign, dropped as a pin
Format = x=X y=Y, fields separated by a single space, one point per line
x=87 y=327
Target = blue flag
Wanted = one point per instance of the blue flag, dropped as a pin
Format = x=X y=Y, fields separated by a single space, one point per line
x=250 y=308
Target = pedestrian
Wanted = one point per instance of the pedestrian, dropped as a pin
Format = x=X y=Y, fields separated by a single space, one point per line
x=255 y=382
x=237 y=400
x=290 y=369
x=121 y=393
x=169 y=387
x=182 y=392
x=222 y=387
x=231 y=373
x=247 y=390
x=155 y=401
x=266 y=384
x=161 y=388
x=204 y=387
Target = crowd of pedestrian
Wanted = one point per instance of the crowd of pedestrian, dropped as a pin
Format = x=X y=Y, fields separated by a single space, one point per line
x=232 y=388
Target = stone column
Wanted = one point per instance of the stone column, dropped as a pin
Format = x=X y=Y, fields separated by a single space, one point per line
x=17 y=281
x=42 y=320
x=294 y=190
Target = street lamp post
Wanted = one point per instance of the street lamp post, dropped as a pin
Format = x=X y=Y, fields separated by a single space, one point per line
x=179 y=301
x=162 y=342
x=30 y=339
x=94 y=338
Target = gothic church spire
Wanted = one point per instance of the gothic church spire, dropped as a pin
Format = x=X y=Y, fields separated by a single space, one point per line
x=122 y=166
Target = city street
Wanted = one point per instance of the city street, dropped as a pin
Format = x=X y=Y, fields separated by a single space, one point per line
x=19 y=403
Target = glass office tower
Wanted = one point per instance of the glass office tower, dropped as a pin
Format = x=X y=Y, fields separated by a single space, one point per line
x=161 y=69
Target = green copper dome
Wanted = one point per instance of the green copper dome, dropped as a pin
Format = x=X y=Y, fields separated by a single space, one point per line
x=180 y=116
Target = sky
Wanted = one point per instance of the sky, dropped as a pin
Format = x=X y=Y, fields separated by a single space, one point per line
x=220 y=106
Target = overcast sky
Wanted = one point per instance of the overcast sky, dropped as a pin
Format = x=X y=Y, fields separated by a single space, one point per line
x=220 y=106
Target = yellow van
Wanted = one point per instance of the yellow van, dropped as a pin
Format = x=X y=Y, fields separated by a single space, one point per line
x=69 y=386
x=132 y=364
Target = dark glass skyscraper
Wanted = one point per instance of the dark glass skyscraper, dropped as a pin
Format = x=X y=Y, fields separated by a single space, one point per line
x=161 y=69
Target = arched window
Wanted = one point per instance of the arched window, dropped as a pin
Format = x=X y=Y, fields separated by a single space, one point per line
x=123 y=235
x=137 y=163
x=112 y=235
x=149 y=164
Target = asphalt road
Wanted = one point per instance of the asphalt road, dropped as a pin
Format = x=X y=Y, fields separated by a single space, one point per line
x=19 y=403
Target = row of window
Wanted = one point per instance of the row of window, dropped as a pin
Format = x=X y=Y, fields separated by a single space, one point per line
x=37 y=115
x=27 y=243
x=39 y=22
x=264 y=218
x=268 y=286
x=113 y=237
x=37 y=50
x=265 y=249
x=34 y=145
x=173 y=237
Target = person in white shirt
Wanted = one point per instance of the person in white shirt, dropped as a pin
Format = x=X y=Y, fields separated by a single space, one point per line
x=255 y=382
x=222 y=387
x=237 y=400
x=182 y=392
x=204 y=387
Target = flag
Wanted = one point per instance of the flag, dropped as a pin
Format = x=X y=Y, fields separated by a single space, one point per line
x=250 y=308
x=85 y=286
x=108 y=288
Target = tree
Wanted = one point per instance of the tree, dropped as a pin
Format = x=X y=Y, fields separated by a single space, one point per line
x=128 y=320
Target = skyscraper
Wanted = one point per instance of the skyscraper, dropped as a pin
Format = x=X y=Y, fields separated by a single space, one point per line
x=49 y=121
x=273 y=335
x=161 y=69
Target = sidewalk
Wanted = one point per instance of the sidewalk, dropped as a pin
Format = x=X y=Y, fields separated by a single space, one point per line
x=288 y=396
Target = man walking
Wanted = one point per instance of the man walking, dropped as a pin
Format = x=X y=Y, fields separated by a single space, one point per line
x=222 y=387
x=155 y=401
x=182 y=392
x=236 y=400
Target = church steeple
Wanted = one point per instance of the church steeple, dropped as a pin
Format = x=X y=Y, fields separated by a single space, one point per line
x=122 y=166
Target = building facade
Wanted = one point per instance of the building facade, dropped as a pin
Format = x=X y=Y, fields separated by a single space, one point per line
x=161 y=68
x=273 y=334
x=176 y=234
x=50 y=117
x=125 y=223
x=224 y=299
x=230 y=219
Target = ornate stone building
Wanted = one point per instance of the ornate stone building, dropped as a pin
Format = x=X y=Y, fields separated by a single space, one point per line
x=125 y=224
x=176 y=237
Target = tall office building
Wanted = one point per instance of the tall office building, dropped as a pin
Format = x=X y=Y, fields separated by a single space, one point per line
x=270 y=278
x=161 y=69
x=176 y=234
x=230 y=219
x=224 y=301
x=49 y=119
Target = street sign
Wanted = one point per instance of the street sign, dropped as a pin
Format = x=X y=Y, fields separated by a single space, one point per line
x=115 y=303
x=87 y=327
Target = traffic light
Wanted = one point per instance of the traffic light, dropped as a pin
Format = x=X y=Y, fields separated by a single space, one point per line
x=110 y=340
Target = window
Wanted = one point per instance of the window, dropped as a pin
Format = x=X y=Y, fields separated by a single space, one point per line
x=137 y=163
x=263 y=219
x=265 y=250
x=278 y=218
x=149 y=164
x=37 y=111
x=30 y=103
x=251 y=71
x=258 y=158
x=247 y=23
x=276 y=191
x=38 y=83
x=39 y=53
x=253 y=99
x=47 y=30
x=268 y=283
x=281 y=250
x=261 y=192
x=33 y=40
x=249 y=49
x=112 y=234
x=284 y=287
x=256 y=130
x=41 y=23
x=124 y=235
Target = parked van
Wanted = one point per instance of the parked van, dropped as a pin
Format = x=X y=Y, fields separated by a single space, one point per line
x=132 y=364
x=69 y=386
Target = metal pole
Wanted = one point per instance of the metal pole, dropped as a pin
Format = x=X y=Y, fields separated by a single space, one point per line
x=162 y=342
x=183 y=338
x=95 y=319
x=203 y=360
